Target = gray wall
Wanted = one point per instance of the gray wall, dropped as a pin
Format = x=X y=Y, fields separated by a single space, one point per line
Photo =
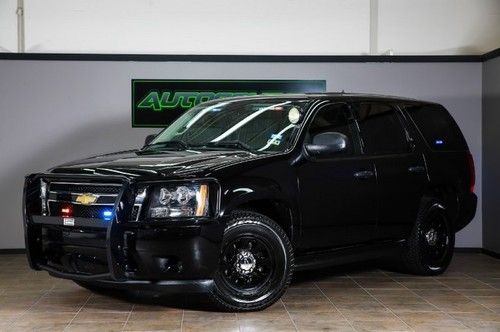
x=54 y=111
x=491 y=153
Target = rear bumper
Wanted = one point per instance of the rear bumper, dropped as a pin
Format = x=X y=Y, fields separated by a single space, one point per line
x=467 y=210
x=176 y=255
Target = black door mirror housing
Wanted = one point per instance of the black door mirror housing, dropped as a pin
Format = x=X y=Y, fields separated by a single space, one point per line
x=327 y=144
x=148 y=139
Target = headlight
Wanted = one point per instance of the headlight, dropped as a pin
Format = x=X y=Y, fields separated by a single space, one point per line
x=179 y=200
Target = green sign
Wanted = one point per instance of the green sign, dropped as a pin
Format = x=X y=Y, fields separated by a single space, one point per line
x=157 y=103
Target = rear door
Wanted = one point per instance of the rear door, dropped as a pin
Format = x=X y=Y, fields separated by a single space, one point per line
x=401 y=169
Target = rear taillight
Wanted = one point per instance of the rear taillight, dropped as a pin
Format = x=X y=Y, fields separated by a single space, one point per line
x=472 y=172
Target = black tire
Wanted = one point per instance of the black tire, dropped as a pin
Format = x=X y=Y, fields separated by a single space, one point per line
x=255 y=266
x=429 y=248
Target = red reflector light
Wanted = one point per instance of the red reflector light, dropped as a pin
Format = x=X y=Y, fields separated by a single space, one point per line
x=67 y=211
x=472 y=172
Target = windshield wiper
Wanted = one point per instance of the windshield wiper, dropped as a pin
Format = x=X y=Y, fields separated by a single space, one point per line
x=178 y=145
x=230 y=144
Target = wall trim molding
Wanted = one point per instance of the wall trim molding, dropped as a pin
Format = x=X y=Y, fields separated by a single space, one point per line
x=469 y=250
x=491 y=253
x=12 y=251
x=491 y=55
x=246 y=58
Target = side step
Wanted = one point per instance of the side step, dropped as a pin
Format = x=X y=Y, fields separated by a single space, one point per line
x=345 y=255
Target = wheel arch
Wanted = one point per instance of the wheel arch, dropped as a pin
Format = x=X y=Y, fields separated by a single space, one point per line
x=274 y=208
x=448 y=195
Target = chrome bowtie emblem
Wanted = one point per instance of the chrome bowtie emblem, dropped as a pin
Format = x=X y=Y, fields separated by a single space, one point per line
x=87 y=199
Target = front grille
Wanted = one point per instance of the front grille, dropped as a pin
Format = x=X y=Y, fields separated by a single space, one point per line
x=69 y=194
x=67 y=187
x=82 y=211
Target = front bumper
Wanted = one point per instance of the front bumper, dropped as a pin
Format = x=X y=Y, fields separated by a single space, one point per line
x=163 y=286
x=178 y=255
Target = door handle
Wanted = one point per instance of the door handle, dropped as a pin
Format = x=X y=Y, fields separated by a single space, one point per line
x=416 y=169
x=364 y=174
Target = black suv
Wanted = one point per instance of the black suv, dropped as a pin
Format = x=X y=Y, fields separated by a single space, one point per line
x=237 y=194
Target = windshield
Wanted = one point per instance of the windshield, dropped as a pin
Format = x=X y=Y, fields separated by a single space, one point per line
x=258 y=125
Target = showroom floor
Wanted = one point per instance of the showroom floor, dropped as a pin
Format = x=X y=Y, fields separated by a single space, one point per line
x=465 y=298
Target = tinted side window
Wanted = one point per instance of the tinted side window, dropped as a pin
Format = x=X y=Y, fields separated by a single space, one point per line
x=381 y=130
x=333 y=118
x=437 y=126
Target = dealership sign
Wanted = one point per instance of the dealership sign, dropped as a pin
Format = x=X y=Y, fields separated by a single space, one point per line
x=156 y=103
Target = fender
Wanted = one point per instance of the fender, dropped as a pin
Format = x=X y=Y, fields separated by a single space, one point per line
x=260 y=190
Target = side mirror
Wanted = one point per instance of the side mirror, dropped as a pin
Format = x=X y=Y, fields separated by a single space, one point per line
x=148 y=139
x=327 y=144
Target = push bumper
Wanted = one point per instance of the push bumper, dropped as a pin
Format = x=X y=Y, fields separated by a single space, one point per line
x=172 y=256
x=164 y=286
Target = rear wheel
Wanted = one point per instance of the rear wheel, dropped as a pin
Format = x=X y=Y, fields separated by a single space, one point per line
x=255 y=265
x=429 y=248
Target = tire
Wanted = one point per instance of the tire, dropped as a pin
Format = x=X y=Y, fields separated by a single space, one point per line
x=429 y=248
x=255 y=266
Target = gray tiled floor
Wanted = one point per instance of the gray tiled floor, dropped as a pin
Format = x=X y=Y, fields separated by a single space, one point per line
x=465 y=298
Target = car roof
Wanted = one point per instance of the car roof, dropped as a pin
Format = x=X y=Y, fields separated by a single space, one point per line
x=332 y=96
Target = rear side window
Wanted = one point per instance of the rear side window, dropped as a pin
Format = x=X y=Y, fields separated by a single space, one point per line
x=381 y=129
x=437 y=126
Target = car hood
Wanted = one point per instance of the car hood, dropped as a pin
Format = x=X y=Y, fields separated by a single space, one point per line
x=135 y=163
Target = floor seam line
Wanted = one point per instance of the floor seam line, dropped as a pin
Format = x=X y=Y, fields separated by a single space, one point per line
x=470 y=298
x=182 y=320
x=79 y=310
x=381 y=301
x=435 y=306
x=128 y=317
x=289 y=316
x=31 y=306
x=336 y=308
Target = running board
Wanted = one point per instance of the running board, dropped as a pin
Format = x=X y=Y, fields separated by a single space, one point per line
x=346 y=255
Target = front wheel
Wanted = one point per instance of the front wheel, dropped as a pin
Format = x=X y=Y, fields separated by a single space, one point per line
x=429 y=248
x=256 y=263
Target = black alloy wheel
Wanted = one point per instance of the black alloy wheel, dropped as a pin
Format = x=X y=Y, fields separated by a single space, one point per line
x=435 y=239
x=429 y=248
x=255 y=265
x=247 y=263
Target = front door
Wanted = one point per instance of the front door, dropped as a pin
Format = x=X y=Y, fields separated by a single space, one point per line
x=338 y=195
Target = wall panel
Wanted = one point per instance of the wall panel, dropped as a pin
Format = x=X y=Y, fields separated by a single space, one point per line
x=491 y=152
x=54 y=111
